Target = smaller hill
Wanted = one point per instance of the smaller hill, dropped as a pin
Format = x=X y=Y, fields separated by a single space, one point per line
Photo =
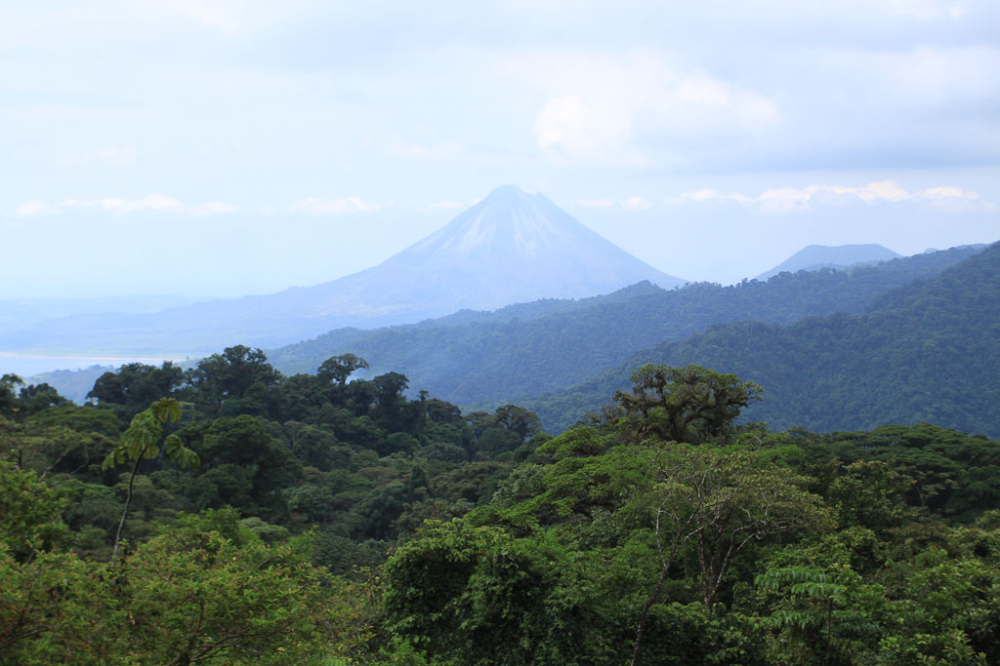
x=815 y=257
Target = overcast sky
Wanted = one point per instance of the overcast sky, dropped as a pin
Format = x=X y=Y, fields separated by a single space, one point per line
x=205 y=147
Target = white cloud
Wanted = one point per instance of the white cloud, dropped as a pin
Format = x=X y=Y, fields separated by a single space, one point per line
x=231 y=17
x=36 y=208
x=950 y=199
x=709 y=195
x=158 y=203
x=795 y=199
x=930 y=9
x=635 y=203
x=150 y=202
x=571 y=129
x=635 y=109
x=343 y=206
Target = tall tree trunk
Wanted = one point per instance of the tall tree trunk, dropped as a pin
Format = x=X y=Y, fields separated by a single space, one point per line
x=128 y=501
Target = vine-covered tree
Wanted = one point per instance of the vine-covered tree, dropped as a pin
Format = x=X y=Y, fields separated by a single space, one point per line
x=689 y=404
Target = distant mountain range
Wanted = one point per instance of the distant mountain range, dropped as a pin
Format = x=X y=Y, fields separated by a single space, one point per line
x=510 y=247
x=815 y=257
x=23 y=312
x=926 y=351
x=912 y=339
x=522 y=351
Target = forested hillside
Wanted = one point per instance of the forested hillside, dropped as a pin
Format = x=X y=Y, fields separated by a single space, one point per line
x=530 y=349
x=928 y=351
x=231 y=515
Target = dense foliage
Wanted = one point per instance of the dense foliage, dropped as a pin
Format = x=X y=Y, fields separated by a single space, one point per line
x=928 y=351
x=529 y=349
x=317 y=520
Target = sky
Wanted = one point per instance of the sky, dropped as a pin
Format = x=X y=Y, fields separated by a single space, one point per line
x=221 y=148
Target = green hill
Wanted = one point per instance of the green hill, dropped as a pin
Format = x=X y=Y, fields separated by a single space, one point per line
x=925 y=352
x=476 y=359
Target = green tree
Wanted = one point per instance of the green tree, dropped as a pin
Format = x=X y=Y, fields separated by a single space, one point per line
x=238 y=373
x=822 y=617
x=29 y=512
x=133 y=386
x=476 y=595
x=720 y=503
x=8 y=395
x=689 y=404
x=246 y=466
x=338 y=369
x=143 y=440
x=37 y=397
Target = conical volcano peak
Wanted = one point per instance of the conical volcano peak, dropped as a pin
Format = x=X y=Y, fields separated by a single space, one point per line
x=506 y=223
x=514 y=246
x=506 y=193
x=511 y=196
x=510 y=247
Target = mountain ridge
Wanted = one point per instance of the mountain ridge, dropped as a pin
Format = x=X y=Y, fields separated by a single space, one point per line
x=474 y=359
x=924 y=352
x=510 y=247
x=815 y=257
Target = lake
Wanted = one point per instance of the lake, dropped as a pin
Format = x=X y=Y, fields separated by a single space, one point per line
x=27 y=365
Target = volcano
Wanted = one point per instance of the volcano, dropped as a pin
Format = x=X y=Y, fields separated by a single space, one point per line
x=511 y=247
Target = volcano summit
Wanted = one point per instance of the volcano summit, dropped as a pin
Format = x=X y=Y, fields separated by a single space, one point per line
x=511 y=247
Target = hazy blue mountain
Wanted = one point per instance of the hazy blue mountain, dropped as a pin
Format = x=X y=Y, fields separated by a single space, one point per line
x=815 y=257
x=22 y=312
x=928 y=351
x=483 y=358
x=72 y=384
x=510 y=247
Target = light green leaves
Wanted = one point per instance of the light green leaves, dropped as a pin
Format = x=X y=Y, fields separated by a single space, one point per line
x=143 y=438
x=166 y=410
x=180 y=454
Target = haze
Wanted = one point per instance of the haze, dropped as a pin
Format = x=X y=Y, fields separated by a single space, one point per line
x=223 y=148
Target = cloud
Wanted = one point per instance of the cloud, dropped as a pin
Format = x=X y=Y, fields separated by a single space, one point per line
x=343 y=206
x=636 y=108
x=792 y=199
x=708 y=195
x=36 y=208
x=636 y=203
x=950 y=199
x=920 y=102
x=157 y=203
x=930 y=9
x=150 y=202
